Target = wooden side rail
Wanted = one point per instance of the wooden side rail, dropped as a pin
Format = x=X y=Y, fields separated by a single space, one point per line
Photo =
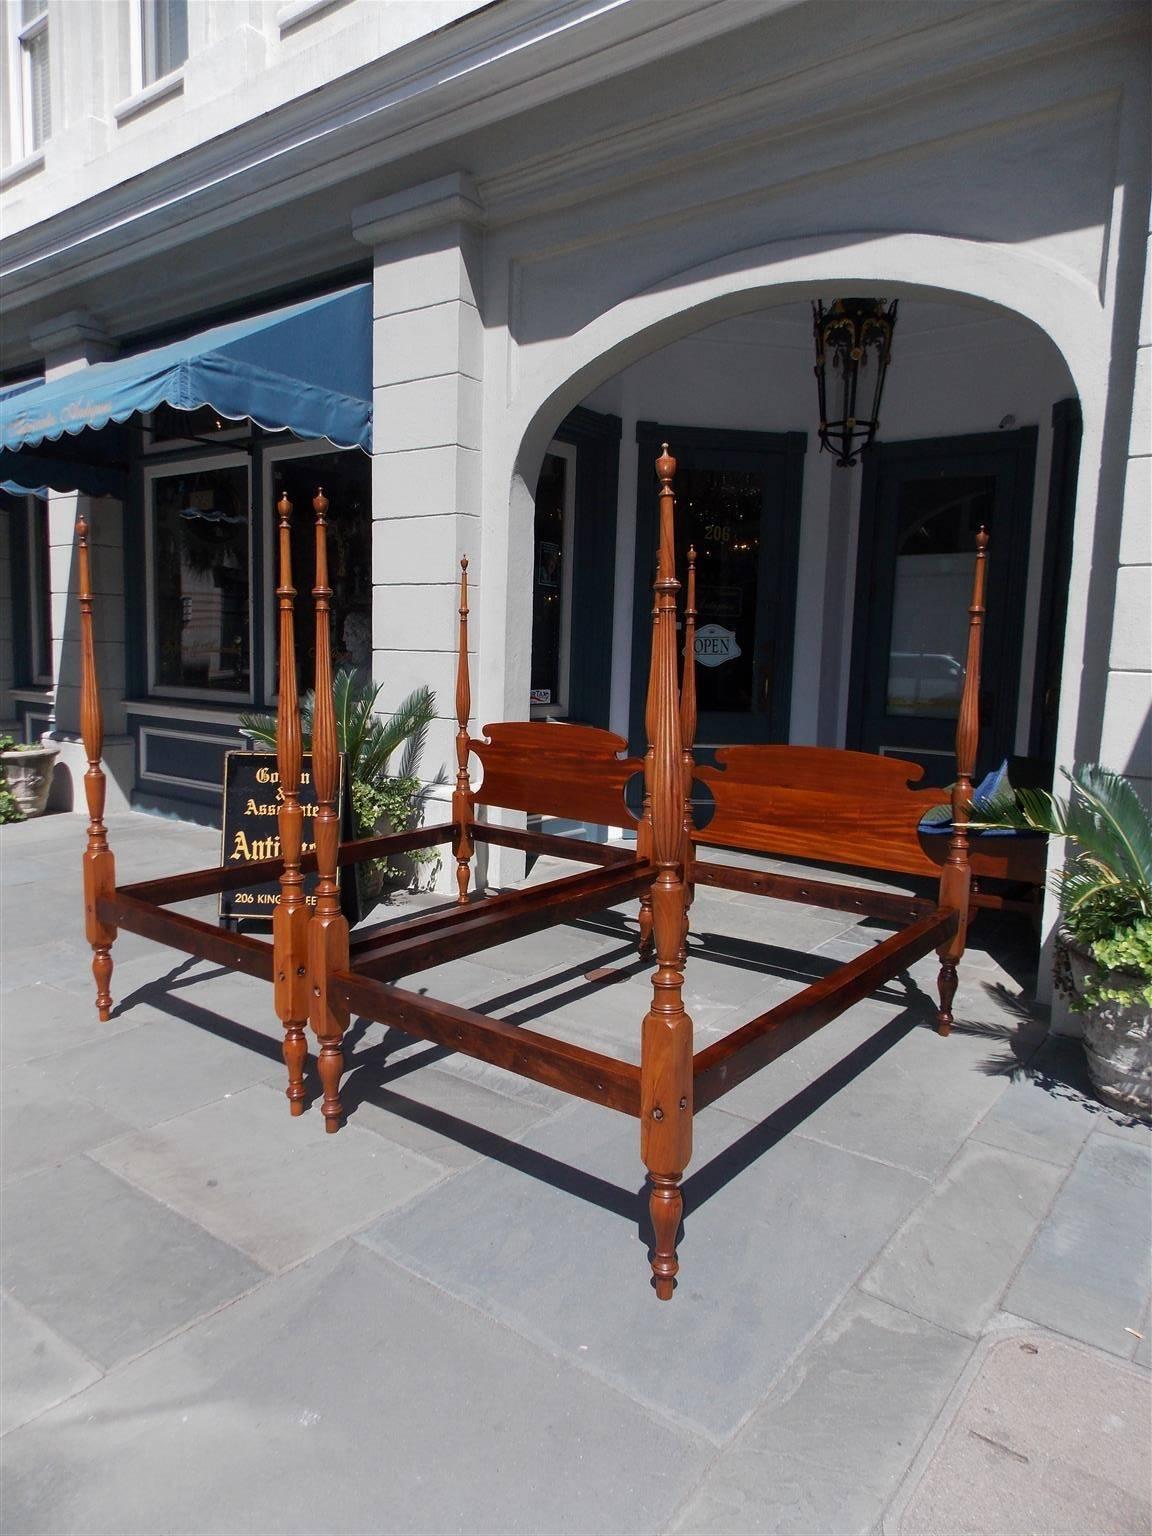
x=570 y=1068
x=379 y=938
x=208 y=882
x=815 y=893
x=237 y=951
x=576 y=848
x=561 y=900
x=725 y=1063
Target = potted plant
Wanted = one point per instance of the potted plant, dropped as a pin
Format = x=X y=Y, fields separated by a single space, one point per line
x=382 y=801
x=1104 y=943
x=27 y=770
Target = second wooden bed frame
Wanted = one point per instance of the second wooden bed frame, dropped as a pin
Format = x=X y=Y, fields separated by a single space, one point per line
x=805 y=802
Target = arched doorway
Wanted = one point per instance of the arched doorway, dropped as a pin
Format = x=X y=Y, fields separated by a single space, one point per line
x=824 y=590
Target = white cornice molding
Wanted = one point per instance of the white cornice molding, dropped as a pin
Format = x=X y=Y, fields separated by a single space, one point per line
x=491 y=64
x=449 y=199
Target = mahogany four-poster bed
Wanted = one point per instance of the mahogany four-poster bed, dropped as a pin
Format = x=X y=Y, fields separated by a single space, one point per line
x=844 y=807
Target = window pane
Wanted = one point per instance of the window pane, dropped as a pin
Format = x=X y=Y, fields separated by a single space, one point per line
x=200 y=580
x=939 y=520
x=39 y=89
x=346 y=479
x=167 y=424
x=548 y=580
x=720 y=513
x=31 y=9
x=41 y=593
x=165 y=29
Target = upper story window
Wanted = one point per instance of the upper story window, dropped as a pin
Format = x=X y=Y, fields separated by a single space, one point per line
x=160 y=39
x=32 y=97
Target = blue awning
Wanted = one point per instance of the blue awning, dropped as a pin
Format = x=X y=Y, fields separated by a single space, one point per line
x=306 y=368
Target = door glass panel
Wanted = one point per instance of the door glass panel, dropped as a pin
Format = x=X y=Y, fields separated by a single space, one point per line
x=548 y=582
x=936 y=548
x=719 y=511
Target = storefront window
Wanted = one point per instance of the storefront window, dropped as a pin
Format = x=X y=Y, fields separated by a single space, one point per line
x=346 y=480
x=40 y=591
x=200 y=591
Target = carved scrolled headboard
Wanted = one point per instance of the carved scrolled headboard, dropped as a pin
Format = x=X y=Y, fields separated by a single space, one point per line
x=820 y=803
x=546 y=768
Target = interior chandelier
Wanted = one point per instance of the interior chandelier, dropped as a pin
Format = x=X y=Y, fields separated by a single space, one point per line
x=847 y=334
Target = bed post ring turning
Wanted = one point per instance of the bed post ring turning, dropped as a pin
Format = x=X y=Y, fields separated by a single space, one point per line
x=99 y=864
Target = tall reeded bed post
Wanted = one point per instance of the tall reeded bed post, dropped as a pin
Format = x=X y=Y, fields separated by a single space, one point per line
x=666 y=1041
x=99 y=864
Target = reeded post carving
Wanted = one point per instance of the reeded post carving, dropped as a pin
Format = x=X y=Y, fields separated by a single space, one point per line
x=666 y=1046
x=328 y=927
x=462 y=803
x=99 y=865
x=290 y=919
x=644 y=829
x=687 y=738
x=956 y=876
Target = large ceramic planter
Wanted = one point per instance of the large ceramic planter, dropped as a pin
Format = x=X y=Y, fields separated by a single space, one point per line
x=29 y=777
x=1117 y=1036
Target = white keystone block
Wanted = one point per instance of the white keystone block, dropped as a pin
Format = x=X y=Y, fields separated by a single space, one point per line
x=1136 y=530
x=427 y=616
x=423 y=551
x=1132 y=624
x=419 y=343
x=427 y=413
x=422 y=482
x=1126 y=734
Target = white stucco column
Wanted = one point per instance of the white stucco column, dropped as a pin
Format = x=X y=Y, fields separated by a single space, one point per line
x=8 y=721
x=72 y=341
x=427 y=367
x=1126 y=733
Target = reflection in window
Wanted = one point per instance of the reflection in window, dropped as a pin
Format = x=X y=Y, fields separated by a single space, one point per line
x=40 y=591
x=548 y=596
x=719 y=511
x=939 y=520
x=163 y=37
x=35 y=75
x=167 y=425
x=346 y=480
x=200 y=574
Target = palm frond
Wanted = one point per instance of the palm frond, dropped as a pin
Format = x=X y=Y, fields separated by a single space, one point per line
x=1120 y=820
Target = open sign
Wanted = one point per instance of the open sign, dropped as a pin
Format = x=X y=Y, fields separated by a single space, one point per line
x=715 y=645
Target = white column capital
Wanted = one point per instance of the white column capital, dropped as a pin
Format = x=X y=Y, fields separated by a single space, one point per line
x=72 y=340
x=447 y=200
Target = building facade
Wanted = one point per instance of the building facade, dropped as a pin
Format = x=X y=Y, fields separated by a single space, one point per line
x=582 y=228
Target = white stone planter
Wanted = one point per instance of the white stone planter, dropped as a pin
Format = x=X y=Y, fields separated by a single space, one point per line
x=29 y=776
x=1117 y=1037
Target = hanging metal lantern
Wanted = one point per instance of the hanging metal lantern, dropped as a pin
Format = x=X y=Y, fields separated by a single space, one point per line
x=853 y=336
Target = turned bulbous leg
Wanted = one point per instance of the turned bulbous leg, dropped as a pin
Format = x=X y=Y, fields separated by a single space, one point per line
x=295 y=1059
x=331 y=1068
x=666 y=1209
x=102 y=974
x=946 y=985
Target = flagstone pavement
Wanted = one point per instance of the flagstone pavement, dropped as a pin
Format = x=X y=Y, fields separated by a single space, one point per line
x=914 y=1288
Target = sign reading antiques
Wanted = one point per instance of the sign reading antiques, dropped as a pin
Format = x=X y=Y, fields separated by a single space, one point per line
x=251 y=828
